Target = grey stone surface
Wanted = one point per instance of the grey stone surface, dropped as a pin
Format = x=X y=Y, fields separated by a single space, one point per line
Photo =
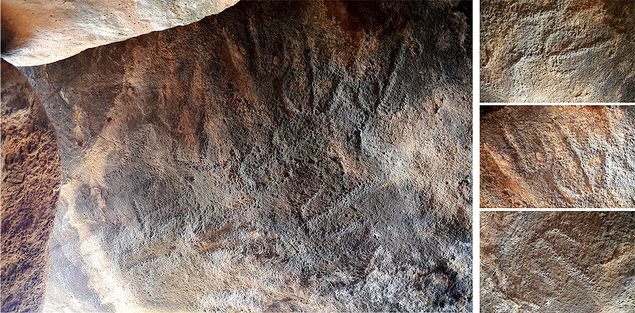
x=557 y=262
x=280 y=156
x=36 y=32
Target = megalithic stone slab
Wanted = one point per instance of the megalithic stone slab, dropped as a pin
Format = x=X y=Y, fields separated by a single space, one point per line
x=38 y=32
x=280 y=156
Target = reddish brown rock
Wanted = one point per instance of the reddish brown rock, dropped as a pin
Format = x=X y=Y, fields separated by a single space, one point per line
x=558 y=156
x=557 y=51
x=30 y=182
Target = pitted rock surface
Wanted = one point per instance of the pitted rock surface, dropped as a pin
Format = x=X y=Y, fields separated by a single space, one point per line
x=30 y=186
x=557 y=51
x=280 y=156
x=557 y=262
x=558 y=156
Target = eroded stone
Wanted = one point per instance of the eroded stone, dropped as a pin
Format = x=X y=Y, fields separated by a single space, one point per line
x=557 y=261
x=30 y=184
x=557 y=51
x=37 y=32
x=558 y=156
x=280 y=156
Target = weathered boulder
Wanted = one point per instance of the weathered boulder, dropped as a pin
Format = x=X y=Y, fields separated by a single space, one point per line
x=37 y=32
x=280 y=156
x=558 y=156
x=557 y=51
x=30 y=181
x=557 y=262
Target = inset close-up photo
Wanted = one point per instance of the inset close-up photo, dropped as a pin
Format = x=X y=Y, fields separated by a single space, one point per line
x=557 y=51
x=535 y=262
x=557 y=156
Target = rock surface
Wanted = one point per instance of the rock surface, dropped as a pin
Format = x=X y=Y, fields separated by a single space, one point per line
x=30 y=181
x=280 y=156
x=557 y=262
x=37 y=32
x=557 y=51
x=558 y=156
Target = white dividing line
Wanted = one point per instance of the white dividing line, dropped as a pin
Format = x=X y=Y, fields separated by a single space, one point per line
x=560 y=103
x=476 y=96
x=557 y=210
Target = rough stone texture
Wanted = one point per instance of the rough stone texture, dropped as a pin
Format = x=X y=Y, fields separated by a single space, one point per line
x=558 y=156
x=281 y=156
x=557 y=262
x=37 y=32
x=30 y=181
x=557 y=51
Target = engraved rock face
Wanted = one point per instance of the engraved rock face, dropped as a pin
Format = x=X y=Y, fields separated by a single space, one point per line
x=557 y=261
x=558 y=156
x=280 y=156
x=557 y=51
x=37 y=32
x=30 y=180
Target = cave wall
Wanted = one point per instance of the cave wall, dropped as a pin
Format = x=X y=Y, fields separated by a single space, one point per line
x=557 y=261
x=30 y=182
x=558 y=156
x=281 y=156
x=557 y=51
